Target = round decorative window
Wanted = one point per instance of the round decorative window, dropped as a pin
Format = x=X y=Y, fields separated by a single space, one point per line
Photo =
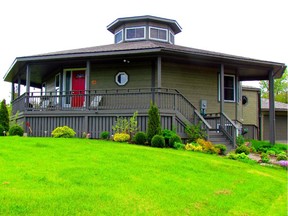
x=121 y=78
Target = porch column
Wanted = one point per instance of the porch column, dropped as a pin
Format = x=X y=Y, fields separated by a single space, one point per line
x=28 y=75
x=271 y=108
x=12 y=91
x=19 y=86
x=87 y=84
x=159 y=72
x=222 y=88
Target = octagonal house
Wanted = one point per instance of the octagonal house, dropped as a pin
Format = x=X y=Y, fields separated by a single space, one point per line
x=87 y=89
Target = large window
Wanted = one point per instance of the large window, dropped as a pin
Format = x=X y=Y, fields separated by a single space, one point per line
x=229 y=88
x=158 y=34
x=135 y=33
x=119 y=36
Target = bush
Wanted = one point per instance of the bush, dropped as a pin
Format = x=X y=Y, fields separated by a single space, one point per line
x=178 y=145
x=167 y=134
x=158 y=141
x=234 y=156
x=121 y=137
x=222 y=148
x=240 y=140
x=2 y=130
x=4 y=116
x=193 y=147
x=207 y=146
x=265 y=158
x=281 y=156
x=16 y=130
x=174 y=139
x=195 y=132
x=140 y=138
x=63 y=132
x=242 y=149
x=105 y=135
x=154 y=126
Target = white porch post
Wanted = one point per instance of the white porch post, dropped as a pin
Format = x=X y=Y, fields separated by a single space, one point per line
x=271 y=109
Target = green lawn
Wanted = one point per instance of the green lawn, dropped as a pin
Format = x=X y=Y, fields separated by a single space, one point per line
x=46 y=176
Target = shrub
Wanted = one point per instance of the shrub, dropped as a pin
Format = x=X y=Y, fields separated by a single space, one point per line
x=178 y=145
x=123 y=125
x=240 y=140
x=16 y=130
x=281 y=156
x=105 y=135
x=2 y=130
x=207 y=146
x=271 y=152
x=242 y=149
x=154 y=126
x=195 y=132
x=158 y=141
x=265 y=158
x=4 y=115
x=140 y=138
x=222 y=148
x=174 y=139
x=63 y=132
x=121 y=137
x=194 y=147
x=234 y=156
x=167 y=134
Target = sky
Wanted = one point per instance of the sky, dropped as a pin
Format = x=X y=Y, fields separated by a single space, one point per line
x=249 y=28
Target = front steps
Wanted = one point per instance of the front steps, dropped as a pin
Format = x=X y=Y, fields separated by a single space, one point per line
x=219 y=138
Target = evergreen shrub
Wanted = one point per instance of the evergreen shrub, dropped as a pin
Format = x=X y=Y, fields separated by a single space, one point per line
x=63 y=132
x=158 y=141
x=140 y=138
x=16 y=130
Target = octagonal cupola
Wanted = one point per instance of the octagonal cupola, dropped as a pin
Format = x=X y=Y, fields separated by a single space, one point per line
x=141 y=28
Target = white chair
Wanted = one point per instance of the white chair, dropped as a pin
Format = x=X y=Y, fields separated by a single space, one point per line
x=95 y=102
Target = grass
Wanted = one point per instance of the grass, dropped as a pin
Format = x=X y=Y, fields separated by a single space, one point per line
x=46 y=176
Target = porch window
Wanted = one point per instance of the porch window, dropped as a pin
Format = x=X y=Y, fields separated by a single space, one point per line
x=135 y=33
x=158 y=34
x=229 y=88
x=119 y=36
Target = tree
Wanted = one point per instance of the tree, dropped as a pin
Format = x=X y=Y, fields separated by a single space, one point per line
x=154 y=125
x=280 y=88
x=4 y=116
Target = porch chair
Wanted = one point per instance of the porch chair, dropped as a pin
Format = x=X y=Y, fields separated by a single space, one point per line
x=95 y=102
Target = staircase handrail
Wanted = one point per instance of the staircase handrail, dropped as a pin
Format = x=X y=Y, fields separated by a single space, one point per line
x=231 y=134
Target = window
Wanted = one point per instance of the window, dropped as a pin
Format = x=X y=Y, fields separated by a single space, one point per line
x=229 y=88
x=119 y=36
x=171 y=38
x=121 y=78
x=158 y=34
x=135 y=33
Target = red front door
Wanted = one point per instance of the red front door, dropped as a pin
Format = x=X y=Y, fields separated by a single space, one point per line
x=78 y=88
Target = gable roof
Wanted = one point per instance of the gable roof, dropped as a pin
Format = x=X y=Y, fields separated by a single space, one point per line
x=141 y=47
x=278 y=105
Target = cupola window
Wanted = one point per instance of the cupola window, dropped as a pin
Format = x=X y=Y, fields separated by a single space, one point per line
x=119 y=36
x=135 y=33
x=158 y=34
